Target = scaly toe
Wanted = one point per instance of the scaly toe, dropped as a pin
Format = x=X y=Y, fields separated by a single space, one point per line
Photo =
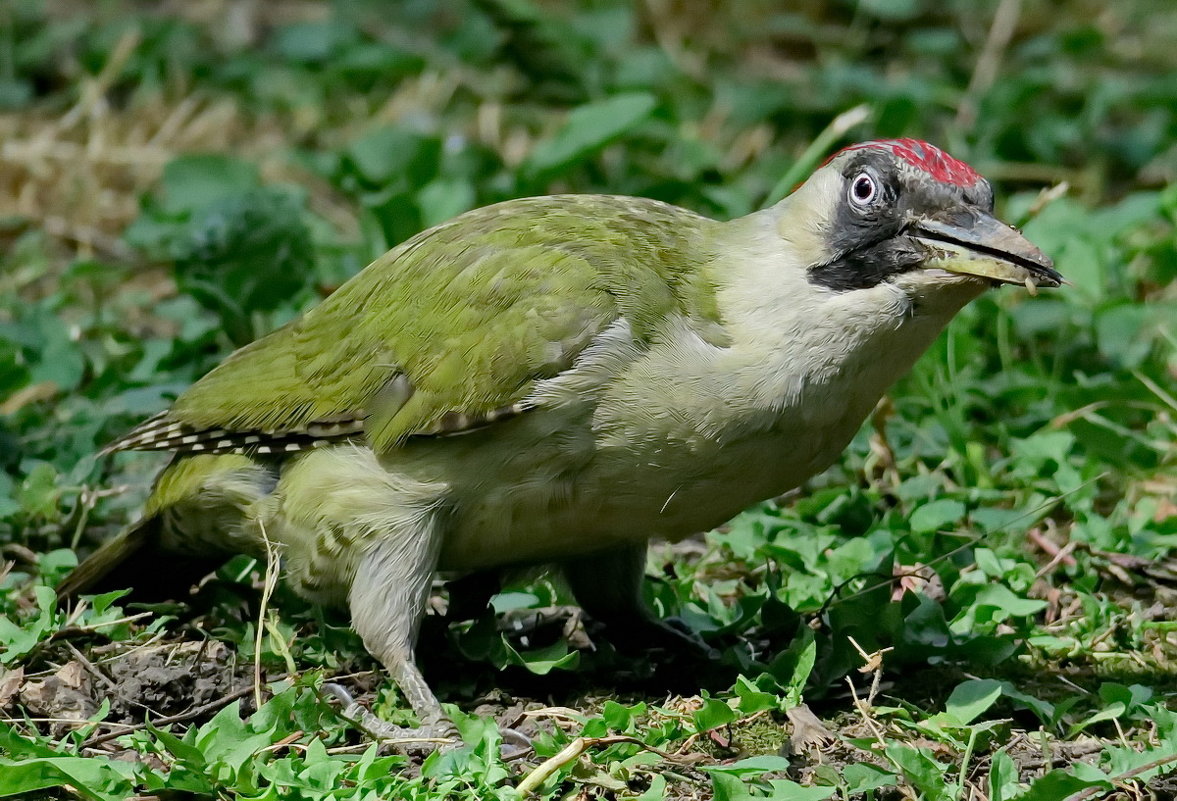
x=437 y=734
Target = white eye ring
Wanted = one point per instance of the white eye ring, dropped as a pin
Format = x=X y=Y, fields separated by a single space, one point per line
x=863 y=190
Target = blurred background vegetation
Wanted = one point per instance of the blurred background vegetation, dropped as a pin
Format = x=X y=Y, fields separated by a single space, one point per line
x=177 y=178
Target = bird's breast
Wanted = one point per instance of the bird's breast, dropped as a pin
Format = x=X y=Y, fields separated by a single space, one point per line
x=680 y=437
x=569 y=481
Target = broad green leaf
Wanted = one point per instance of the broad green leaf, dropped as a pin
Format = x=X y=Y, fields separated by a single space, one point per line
x=19 y=640
x=180 y=747
x=937 y=515
x=1112 y=711
x=94 y=778
x=1059 y=785
x=60 y=360
x=1003 y=777
x=793 y=667
x=542 y=661
x=395 y=157
x=713 y=714
x=1124 y=332
x=656 y=791
x=786 y=790
x=922 y=771
x=863 y=776
x=1131 y=696
x=1005 y=603
x=970 y=698
x=589 y=128
x=12 y=743
x=1045 y=446
x=617 y=716
x=443 y=199
x=39 y=494
x=1043 y=709
x=753 y=700
x=727 y=787
x=752 y=766
x=508 y=601
x=244 y=254
x=192 y=182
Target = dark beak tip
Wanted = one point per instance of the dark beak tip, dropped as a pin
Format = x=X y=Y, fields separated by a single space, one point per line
x=1048 y=275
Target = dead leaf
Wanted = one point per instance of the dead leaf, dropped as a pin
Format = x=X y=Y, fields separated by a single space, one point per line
x=65 y=696
x=10 y=681
x=809 y=733
x=917 y=578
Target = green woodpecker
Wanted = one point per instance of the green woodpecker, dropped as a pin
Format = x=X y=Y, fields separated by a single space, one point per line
x=559 y=379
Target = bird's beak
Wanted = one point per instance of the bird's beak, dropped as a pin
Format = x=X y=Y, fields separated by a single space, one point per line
x=976 y=243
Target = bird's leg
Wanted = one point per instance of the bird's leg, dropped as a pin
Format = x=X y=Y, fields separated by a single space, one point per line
x=354 y=529
x=387 y=599
x=608 y=587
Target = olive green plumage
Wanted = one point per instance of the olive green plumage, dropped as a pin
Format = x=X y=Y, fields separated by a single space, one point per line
x=452 y=327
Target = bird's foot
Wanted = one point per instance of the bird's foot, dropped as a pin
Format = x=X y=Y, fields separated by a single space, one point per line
x=677 y=635
x=672 y=635
x=440 y=734
x=436 y=734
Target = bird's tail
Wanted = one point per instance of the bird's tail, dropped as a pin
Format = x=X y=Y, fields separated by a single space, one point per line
x=135 y=559
x=91 y=575
x=202 y=510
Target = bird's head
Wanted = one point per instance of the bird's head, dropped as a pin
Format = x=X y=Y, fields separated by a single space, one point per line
x=904 y=212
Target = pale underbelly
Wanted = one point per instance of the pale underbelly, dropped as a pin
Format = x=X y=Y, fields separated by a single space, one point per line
x=618 y=497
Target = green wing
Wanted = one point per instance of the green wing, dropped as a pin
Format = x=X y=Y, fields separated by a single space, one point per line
x=451 y=329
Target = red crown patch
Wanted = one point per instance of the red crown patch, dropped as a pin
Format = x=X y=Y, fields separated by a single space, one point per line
x=929 y=158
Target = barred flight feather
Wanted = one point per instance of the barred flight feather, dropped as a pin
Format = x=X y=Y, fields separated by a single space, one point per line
x=161 y=433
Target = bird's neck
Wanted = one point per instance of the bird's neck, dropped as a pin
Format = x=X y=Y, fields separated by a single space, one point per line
x=796 y=345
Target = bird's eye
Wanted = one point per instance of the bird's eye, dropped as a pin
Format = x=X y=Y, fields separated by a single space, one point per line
x=863 y=190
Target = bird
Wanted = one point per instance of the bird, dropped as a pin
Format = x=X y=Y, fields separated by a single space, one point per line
x=556 y=381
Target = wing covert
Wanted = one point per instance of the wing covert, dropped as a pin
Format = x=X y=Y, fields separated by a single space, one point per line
x=448 y=331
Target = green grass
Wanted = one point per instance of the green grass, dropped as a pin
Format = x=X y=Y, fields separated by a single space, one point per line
x=978 y=600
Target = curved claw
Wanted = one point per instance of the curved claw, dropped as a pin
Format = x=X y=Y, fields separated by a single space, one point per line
x=520 y=746
x=340 y=694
